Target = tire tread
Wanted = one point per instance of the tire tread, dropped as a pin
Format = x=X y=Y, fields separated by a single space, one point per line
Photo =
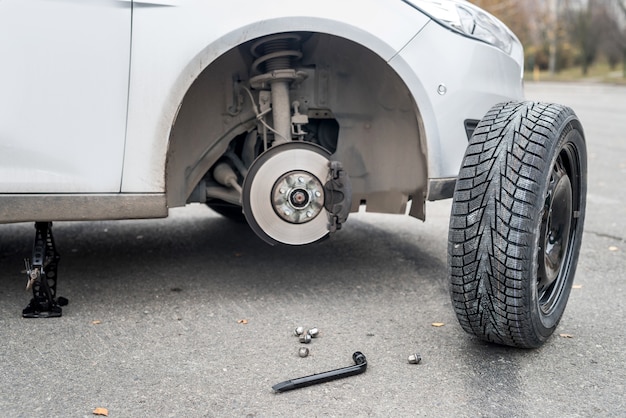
x=495 y=203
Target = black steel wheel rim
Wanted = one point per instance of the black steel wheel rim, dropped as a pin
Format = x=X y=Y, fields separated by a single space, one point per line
x=558 y=227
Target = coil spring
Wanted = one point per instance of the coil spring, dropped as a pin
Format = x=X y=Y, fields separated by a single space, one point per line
x=275 y=53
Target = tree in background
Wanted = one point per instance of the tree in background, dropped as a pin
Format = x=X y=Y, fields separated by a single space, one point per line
x=617 y=32
x=613 y=44
x=557 y=34
x=584 y=22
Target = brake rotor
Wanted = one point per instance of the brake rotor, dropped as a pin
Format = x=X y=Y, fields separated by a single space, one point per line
x=283 y=194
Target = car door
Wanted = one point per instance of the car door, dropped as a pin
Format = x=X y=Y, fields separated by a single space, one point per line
x=64 y=68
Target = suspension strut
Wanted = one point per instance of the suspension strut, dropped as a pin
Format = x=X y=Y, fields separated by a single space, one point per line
x=274 y=60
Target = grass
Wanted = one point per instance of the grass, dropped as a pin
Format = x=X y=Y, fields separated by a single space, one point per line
x=599 y=73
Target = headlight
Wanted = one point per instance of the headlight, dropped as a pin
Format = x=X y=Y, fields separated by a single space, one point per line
x=470 y=20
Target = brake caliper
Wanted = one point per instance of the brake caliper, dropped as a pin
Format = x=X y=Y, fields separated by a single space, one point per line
x=337 y=196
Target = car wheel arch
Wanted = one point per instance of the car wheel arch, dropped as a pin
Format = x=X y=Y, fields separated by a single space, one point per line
x=191 y=152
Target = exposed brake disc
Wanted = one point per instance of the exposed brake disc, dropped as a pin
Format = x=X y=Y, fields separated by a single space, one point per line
x=293 y=194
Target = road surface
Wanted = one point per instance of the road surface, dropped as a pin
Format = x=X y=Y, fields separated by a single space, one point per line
x=193 y=315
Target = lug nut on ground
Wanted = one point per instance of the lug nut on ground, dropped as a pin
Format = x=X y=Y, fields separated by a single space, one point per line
x=303 y=352
x=298 y=331
x=313 y=332
x=305 y=338
x=415 y=359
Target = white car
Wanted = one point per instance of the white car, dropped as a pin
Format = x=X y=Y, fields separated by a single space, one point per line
x=293 y=114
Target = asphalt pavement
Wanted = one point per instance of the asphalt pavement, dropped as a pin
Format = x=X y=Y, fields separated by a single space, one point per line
x=193 y=315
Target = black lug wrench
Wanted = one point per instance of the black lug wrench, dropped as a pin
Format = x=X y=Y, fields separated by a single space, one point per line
x=301 y=382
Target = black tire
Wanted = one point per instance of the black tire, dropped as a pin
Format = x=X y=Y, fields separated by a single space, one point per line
x=227 y=210
x=517 y=221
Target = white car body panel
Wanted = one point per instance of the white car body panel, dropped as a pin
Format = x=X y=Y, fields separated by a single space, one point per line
x=64 y=83
x=93 y=89
x=494 y=77
x=172 y=45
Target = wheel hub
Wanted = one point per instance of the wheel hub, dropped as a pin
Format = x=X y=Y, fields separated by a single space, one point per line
x=298 y=197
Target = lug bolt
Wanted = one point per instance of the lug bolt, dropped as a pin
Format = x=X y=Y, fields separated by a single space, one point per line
x=298 y=331
x=313 y=332
x=415 y=359
x=305 y=338
x=303 y=352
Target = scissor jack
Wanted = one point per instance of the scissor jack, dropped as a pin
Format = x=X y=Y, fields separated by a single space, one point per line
x=41 y=271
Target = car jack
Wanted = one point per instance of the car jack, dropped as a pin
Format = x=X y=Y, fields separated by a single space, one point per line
x=41 y=271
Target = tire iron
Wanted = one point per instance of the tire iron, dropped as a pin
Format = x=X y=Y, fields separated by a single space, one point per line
x=359 y=367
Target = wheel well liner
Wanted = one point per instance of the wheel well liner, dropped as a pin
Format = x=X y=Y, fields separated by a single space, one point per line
x=381 y=141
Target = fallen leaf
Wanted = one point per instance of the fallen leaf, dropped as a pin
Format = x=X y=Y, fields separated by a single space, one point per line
x=242 y=321
x=613 y=248
x=577 y=286
x=566 y=336
x=96 y=322
x=101 y=411
x=437 y=324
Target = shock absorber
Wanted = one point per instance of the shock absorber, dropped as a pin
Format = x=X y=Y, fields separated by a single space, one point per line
x=274 y=60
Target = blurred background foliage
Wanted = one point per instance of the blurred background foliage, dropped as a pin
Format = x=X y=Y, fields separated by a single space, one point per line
x=567 y=39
